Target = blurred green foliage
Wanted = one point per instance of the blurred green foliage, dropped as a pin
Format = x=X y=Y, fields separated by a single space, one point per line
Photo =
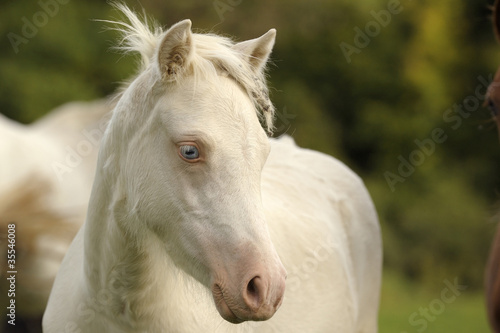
x=366 y=109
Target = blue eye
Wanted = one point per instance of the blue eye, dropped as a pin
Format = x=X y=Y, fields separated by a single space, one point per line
x=189 y=152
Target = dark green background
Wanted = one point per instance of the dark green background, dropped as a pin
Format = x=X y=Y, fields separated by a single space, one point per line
x=402 y=84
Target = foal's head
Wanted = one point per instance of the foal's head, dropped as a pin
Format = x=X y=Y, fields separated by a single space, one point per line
x=188 y=140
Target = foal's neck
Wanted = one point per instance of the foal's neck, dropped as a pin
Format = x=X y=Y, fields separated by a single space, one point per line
x=128 y=272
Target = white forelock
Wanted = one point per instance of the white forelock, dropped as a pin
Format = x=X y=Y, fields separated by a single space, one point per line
x=213 y=55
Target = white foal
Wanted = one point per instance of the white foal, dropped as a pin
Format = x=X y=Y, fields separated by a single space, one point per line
x=196 y=216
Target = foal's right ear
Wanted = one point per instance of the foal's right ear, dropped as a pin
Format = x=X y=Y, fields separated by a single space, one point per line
x=174 y=50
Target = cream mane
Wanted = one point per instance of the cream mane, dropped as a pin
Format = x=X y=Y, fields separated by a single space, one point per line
x=213 y=55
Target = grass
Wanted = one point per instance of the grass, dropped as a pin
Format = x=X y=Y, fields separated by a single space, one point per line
x=403 y=301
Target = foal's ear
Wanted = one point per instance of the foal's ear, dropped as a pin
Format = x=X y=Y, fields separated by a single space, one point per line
x=256 y=51
x=175 y=49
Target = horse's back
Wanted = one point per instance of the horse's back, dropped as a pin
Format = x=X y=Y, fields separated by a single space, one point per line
x=72 y=118
x=325 y=228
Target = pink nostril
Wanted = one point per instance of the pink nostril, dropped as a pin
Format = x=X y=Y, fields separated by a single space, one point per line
x=253 y=294
x=251 y=288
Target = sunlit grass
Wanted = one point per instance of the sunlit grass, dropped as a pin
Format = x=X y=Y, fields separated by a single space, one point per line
x=400 y=299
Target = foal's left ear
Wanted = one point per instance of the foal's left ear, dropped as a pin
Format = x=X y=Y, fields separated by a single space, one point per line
x=256 y=51
x=175 y=49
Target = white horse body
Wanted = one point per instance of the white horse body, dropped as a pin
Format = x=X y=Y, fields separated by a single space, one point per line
x=48 y=210
x=169 y=231
x=41 y=151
